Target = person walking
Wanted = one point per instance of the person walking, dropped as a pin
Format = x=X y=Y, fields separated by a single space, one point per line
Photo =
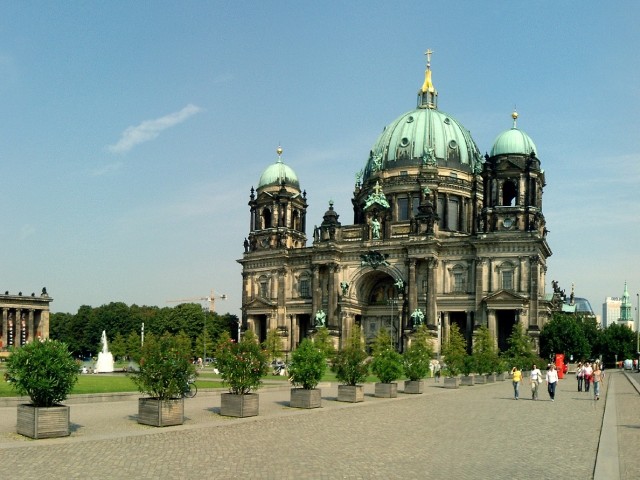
x=588 y=371
x=552 y=381
x=516 y=377
x=580 y=375
x=598 y=376
x=536 y=380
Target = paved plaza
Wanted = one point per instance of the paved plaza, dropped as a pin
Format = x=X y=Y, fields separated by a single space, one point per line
x=477 y=432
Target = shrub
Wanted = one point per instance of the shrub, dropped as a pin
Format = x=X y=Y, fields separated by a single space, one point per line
x=387 y=363
x=43 y=370
x=417 y=356
x=455 y=351
x=242 y=365
x=350 y=363
x=308 y=365
x=484 y=352
x=165 y=367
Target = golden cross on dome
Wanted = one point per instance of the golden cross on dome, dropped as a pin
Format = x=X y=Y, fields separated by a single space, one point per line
x=428 y=53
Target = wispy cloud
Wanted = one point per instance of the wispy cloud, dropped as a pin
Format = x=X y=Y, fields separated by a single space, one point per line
x=106 y=169
x=150 y=129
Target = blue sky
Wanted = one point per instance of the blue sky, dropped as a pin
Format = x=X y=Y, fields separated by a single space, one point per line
x=131 y=132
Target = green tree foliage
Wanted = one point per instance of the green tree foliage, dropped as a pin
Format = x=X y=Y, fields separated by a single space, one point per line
x=455 y=351
x=417 y=356
x=350 y=363
x=242 y=365
x=45 y=371
x=521 y=352
x=118 y=346
x=484 y=352
x=308 y=365
x=322 y=340
x=134 y=346
x=165 y=367
x=272 y=345
x=564 y=334
x=617 y=340
x=386 y=363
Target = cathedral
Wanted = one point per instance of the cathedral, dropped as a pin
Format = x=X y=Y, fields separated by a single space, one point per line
x=441 y=235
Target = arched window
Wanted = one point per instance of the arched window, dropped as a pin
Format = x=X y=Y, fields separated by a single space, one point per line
x=295 y=220
x=507 y=276
x=266 y=218
x=509 y=194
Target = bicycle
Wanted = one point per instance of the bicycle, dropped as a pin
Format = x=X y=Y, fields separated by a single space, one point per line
x=190 y=389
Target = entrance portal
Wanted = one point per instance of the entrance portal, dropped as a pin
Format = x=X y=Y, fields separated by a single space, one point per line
x=505 y=320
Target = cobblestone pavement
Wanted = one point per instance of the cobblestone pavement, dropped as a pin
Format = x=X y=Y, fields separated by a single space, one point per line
x=477 y=432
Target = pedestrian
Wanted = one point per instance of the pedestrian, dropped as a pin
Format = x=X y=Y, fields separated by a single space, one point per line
x=516 y=377
x=580 y=375
x=536 y=380
x=437 y=371
x=588 y=371
x=598 y=376
x=552 y=381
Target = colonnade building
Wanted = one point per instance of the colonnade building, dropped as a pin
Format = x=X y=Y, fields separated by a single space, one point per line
x=24 y=318
x=441 y=235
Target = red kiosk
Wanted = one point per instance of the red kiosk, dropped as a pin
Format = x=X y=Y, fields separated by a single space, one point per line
x=560 y=364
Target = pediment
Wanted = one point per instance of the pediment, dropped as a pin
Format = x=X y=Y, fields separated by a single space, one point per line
x=506 y=298
x=260 y=302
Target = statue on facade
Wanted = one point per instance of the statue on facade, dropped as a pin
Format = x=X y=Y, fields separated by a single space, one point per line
x=344 y=286
x=417 y=317
x=375 y=229
x=399 y=284
x=320 y=319
x=246 y=245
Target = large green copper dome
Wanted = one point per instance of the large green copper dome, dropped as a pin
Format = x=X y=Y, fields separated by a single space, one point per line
x=424 y=136
x=278 y=172
x=513 y=142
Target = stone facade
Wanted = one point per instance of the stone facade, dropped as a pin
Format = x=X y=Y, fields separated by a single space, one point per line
x=440 y=236
x=24 y=318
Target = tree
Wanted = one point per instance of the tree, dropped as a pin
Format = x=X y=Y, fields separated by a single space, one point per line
x=521 y=351
x=386 y=363
x=417 y=356
x=617 y=340
x=272 y=345
x=118 y=346
x=134 y=347
x=455 y=351
x=563 y=334
x=322 y=340
x=484 y=352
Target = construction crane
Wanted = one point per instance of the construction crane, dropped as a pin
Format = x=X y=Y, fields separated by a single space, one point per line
x=211 y=299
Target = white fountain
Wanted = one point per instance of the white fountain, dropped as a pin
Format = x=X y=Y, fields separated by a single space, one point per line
x=105 y=357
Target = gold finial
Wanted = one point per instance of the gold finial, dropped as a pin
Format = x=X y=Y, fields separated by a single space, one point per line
x=279 y=151
x=427 y=94
x=514 y=115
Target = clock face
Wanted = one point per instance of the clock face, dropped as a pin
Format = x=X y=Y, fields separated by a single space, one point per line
x=507 y=222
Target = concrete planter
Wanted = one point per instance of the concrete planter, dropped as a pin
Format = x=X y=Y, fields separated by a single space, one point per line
x=351 y=393
x=451 y=382
x=501 y=377
x=161 y=413
x=301 y=398
x=414 y=386
x=491 y=378
x=386 y=390
x=468 y=380
x=480 y=379
x=43 y=422
x=232 y=405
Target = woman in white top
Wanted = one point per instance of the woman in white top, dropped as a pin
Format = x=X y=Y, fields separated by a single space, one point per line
x=552 y=381
x=536 y=380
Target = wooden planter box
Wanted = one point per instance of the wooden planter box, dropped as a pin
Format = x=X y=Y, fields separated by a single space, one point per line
x=451 y=382
x=241 y=406
x=301 y=398
x=414 y=386
x=351 y=393
x=43 y=422
x=161 y=413
x=468 y=380
x=386 y=390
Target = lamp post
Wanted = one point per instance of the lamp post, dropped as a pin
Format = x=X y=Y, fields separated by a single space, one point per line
x=392 y=303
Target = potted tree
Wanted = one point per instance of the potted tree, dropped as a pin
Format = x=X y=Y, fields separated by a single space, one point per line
x=242 y=366
x=46 y=372
x=351 y=368
x=165 y=370
x=454 y=352
x=415 y=361
x=386 y=365
x=485 y=355
x=308 y=364
x=468 y=367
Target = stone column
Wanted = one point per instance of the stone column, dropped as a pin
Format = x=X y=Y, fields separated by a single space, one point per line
x=17 y=332
x=412 y=288
x=316 y=298
x=332 y=301
x=432 y=265
x=446 y=327
x=5 y=312
x=30 y=330
x=534 y=271
x=491 y=322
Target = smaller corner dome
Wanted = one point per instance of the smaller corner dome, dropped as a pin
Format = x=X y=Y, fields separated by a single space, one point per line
x=277 y=173
x=513 y=142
